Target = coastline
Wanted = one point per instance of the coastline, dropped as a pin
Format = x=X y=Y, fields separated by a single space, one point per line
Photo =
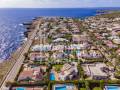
x=16 y=56
x=10 y=63
x=28 y=27
x=15 y=29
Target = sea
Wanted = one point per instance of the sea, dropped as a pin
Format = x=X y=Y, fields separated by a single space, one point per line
x=12 y=29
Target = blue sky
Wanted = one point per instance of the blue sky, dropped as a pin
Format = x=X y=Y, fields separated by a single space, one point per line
x=58 y=3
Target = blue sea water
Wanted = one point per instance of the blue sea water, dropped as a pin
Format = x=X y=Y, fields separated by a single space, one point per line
x=11 y=30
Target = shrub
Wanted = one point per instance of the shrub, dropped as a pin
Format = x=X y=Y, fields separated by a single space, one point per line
x=83 y=89
x=93 y=83
x=9 y=83
x=81 y=72
x=87 y=85
x=97 y=88
x=101 y=83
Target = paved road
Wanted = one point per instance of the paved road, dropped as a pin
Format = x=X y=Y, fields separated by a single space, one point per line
x=15 y=69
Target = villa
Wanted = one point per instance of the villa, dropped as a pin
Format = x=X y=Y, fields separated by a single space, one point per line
x=60 y=40
x=116 y=41
x=95 y=71
x=67 y=72
x=58 y=47
x=64 y=31
x=58 y=55
x=38 y=56
x=89 y=54
x=78 y=46
x=118 y=51
x=75 y=30
x=110 y=44
x=79 y=38
x=58 y=36
x=95 y=54
x=82 y=54
x=32 y=73
x=41 y=47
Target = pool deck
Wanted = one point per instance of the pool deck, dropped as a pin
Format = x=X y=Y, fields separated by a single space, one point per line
x=56 y=76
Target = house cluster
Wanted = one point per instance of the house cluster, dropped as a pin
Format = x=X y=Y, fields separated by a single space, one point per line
x=61 y=38
x=61 y=50
x=106 y=33
x=53 y=42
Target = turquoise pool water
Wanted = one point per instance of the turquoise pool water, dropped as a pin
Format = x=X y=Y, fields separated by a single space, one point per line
x=61 y=88
x=112 y=88
x=52 y=76
x=20 y=88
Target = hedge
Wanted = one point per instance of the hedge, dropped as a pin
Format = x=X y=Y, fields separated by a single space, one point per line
x=28 y=84
x=97 y=88
x=83 y=89
x=87 y=85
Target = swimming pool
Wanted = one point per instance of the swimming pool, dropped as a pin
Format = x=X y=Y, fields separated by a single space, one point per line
x=60 y=88
x=112 y=88
x=20 y=88
x=52 y=76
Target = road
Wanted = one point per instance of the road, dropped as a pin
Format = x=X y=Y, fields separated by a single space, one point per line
x=19 y=61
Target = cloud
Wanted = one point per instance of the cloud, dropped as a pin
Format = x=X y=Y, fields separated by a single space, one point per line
x=59 y=3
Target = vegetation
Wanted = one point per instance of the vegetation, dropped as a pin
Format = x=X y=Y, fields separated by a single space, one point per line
x=110 y=15
x=5 y=67
x=97 y=88
x=68 y=36
x=83 y=89
x=57 y=67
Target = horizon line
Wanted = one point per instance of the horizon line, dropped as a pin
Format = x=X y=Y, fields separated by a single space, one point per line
x=51 y=7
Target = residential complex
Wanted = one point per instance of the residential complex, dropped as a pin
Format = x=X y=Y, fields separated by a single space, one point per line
x=70 y=54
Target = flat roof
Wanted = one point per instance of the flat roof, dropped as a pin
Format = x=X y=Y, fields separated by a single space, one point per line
x=94 y=69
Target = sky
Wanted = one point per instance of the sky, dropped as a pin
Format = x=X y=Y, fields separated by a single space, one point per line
x=58 y=3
